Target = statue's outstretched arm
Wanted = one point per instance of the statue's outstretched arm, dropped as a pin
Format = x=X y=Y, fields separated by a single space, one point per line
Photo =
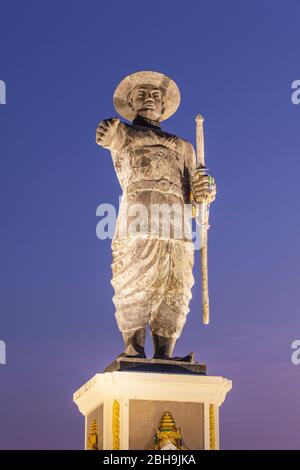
x=112 y=134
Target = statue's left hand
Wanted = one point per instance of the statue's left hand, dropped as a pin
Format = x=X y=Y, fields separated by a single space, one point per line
x=203 y=188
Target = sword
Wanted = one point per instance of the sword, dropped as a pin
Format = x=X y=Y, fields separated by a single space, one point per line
x=204 y=217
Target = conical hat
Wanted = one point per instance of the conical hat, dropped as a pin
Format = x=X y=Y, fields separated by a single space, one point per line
x=171 y=93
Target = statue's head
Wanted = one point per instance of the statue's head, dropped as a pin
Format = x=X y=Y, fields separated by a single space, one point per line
x=152 y=95
x=147 y=101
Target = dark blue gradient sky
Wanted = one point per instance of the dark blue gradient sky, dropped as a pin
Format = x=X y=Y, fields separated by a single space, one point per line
x=234 y=62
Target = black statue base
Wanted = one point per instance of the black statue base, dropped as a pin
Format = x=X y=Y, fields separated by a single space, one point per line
x=167 y=366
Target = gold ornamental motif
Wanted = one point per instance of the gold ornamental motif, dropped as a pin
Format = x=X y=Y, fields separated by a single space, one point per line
x=212 y=427
x=168 y=436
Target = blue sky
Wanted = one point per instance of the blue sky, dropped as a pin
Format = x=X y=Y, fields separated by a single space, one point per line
x=234 y=62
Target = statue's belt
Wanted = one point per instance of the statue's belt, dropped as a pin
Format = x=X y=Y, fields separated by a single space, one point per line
x=162 y=185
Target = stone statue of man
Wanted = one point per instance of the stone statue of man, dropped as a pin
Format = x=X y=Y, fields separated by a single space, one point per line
x=152 y=274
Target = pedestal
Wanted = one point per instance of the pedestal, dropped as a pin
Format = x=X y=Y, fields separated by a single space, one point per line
x=148 y=410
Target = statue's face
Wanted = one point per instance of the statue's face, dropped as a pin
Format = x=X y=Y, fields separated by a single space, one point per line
x=147 y=101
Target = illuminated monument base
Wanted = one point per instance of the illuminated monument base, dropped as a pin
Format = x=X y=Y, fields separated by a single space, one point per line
x=141 y=410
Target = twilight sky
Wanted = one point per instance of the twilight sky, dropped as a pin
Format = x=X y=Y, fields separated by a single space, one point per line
x=234 y=62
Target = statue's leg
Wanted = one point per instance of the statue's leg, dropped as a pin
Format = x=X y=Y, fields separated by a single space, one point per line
x=163 y=346
x=134 y=343
x=168 y=315
x=133 y=272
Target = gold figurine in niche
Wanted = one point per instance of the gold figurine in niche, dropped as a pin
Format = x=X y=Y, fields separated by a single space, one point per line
x=168 y=436
x=93 y=437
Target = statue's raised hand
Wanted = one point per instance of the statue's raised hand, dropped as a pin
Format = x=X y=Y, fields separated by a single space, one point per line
x=106 y=131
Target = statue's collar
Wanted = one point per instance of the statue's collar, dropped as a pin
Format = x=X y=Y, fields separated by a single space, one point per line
x=141 y=121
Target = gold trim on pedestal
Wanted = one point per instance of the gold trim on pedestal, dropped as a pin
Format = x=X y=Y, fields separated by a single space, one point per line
x=116 y=425
x=212 y=427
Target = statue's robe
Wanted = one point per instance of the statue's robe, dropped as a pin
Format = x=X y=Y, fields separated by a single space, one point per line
x=152 y=267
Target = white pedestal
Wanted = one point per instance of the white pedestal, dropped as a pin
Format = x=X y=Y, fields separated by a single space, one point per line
x=125 y=408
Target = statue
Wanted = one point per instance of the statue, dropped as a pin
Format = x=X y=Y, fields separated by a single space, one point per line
x=152 y=274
